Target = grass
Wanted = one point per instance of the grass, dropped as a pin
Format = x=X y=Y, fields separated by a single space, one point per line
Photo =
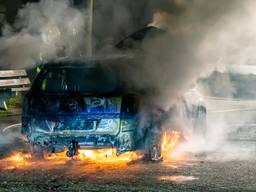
x=12 y=103
x=15 y=101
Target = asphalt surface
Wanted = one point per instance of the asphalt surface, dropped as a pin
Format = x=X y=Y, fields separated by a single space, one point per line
x=223 y=170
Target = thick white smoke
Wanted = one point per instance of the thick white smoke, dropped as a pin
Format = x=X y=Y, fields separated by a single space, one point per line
x=43 y=31
x=208 y=35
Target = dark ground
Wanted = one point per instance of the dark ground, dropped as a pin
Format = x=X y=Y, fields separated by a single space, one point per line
x=207 y=176
x=193 y=173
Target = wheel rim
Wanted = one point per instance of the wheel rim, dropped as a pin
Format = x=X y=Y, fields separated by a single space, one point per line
x=155 y=153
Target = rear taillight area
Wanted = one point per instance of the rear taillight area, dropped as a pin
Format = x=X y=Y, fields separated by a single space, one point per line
x=130 y=106
x=129 y=112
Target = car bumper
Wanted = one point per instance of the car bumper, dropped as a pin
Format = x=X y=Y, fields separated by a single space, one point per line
x=55 y=143
x=123 y=139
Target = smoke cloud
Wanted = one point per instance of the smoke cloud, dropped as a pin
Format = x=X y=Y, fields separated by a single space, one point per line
x=203 y=37
x=43 y=31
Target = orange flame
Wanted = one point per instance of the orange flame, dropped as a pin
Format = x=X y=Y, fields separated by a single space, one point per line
x=16 y=160
x=169 y=141
x=99 y=157
x=106 y=156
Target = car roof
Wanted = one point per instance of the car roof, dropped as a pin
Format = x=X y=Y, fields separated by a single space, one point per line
x=86 y=62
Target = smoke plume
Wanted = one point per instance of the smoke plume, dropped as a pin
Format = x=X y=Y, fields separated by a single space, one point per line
x=203 y=37
x=43 y=31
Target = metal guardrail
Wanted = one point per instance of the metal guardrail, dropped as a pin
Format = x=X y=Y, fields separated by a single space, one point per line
x=11 y=82
x=223 y=99
x=224 y=105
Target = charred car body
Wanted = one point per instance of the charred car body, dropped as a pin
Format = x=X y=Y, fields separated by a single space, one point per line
x=87 y=105
x=81 y=105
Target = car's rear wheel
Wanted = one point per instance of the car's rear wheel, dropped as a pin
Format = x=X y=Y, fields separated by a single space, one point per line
x=153 y=150
x=156 y=153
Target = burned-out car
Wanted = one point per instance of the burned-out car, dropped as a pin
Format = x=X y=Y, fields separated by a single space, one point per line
x=82 y=105
x=86 y=105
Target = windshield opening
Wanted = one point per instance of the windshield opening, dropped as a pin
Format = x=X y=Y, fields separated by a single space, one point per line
x=93 y=80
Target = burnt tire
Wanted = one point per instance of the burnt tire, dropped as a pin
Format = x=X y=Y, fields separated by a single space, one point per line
x=155 y=154
x=152 y=149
